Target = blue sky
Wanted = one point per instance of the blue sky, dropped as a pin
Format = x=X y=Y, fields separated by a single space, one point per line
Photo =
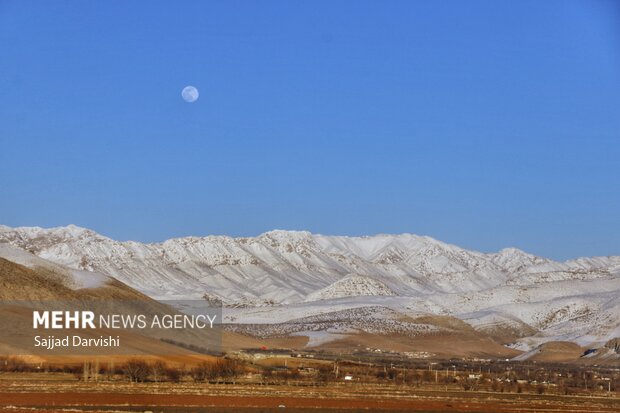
x=482 y=123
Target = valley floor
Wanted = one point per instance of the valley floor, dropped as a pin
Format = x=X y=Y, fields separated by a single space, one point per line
x=60 y=394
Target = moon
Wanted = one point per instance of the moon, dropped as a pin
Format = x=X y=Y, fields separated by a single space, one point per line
x=190 y=94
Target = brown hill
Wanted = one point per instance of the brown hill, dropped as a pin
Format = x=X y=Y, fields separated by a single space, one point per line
x=558 y=351
x=23 y=289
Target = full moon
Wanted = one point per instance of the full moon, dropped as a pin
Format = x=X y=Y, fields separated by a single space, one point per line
x=190 y=94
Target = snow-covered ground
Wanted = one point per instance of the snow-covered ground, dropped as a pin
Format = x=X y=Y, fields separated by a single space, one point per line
x=288 y=275
x=75 y=279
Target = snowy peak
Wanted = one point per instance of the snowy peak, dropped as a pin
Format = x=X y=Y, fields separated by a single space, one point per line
x=286 y=274
x=69 y=231
x=513 y=259
x=293 y=266
x=36 y=238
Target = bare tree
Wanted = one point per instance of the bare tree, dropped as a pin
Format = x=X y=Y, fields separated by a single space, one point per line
x=136 y=370
x=157 y=370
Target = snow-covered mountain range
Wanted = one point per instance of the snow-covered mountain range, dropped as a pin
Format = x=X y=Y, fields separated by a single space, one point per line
x=284 y=275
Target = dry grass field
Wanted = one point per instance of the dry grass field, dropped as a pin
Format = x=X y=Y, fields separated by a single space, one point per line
x=61 y=392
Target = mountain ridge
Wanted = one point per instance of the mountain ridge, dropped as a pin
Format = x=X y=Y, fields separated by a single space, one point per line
x=291 y=275
x=419 y=263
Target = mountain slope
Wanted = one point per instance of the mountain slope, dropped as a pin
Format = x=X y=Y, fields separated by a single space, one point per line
x=351 y=286
x=510 y=295
x=28 y=282
x=285 y=267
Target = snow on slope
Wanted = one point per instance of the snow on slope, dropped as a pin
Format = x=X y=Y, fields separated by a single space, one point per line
x=74 y=279
x=295 y=274
x=369 y=319
x=277 y=266
x=351 y=286
x=286 y=267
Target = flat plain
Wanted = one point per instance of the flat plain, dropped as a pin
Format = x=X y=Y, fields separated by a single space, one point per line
x=43 y=392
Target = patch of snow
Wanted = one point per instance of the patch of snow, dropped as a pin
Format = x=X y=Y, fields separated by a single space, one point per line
x=88 y=279
x=317 y=338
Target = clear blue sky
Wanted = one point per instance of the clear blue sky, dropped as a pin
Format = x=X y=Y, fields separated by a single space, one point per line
x=482 y=123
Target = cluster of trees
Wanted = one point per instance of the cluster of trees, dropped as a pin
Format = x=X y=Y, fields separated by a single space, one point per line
x=219 y=370
x=271 y=375
x=408 y=376
x=520 y=379
x=14 y=364
x=134 y=370
x=515 y=387
x=137 y=370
